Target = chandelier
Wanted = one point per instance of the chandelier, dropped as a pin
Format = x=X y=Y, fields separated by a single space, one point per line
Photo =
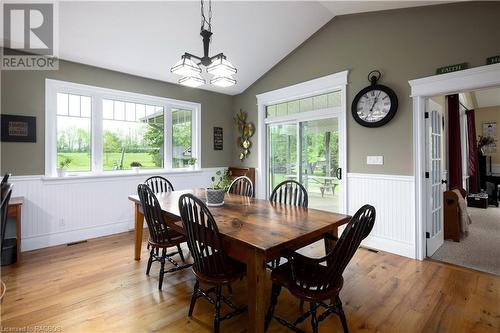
x=218 y=66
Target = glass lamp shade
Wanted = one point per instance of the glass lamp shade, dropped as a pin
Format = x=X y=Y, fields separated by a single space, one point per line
x=186 y=67
x=192 y=81
x=221 y=67
x=223 y=81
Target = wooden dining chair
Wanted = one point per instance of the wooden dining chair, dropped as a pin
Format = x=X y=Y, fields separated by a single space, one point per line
x=159 y=184
x=316 y=280
x=5 y=194
x=290 y=192
x=242 y=186
x=211 y=265
x=161 y=236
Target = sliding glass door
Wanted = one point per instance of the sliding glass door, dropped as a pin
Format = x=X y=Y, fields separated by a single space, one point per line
x=308 y=152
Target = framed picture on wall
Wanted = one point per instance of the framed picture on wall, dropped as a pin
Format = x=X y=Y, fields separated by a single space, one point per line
x=490 y=130
x=218 y=138
x=18 y=128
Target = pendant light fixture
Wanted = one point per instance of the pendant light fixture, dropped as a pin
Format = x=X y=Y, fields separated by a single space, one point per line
x=218 y=66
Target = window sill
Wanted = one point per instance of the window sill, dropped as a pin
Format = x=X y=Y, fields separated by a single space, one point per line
x=119 y=174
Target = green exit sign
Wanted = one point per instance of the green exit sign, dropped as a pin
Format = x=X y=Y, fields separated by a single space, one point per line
x=493 y=60
x=452 y=68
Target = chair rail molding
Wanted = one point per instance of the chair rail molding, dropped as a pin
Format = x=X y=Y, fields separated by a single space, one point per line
x=393 y=198
x=421 y=89
x=71 y=209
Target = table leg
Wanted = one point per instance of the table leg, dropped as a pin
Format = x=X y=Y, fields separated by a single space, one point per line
x=256 y=286
x=139 y=224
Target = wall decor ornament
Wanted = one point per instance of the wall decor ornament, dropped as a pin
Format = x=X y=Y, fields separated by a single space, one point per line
x=246 y=130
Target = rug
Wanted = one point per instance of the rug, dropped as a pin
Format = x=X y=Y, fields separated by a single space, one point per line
x=481 y=249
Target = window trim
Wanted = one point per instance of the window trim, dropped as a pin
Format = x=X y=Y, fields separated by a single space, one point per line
x=52 y=87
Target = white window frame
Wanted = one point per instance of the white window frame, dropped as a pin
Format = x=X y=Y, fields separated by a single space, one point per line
x=98 y=94
x=319 y=86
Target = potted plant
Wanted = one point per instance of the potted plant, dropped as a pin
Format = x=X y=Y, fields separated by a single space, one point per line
x=63 y=163
x=220 y=184
x=136 y=166
x=191 y=163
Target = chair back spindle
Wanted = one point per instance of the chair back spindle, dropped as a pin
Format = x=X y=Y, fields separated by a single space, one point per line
x=203 y=237
x=158 y=228
x=290 y=192
x=242 y=186
x=159 y=184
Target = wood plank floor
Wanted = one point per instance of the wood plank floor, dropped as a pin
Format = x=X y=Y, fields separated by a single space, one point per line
x=98 y=287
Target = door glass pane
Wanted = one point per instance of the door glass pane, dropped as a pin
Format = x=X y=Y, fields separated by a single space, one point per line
x=320 y=163
x=282 y=153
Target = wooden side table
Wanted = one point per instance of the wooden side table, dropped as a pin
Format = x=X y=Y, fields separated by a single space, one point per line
x=15 y=213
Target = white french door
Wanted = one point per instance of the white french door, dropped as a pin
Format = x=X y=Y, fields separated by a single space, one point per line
x=308 y=151
x=435 y=182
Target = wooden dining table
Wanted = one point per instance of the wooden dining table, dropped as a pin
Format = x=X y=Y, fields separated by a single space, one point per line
x=254 y=232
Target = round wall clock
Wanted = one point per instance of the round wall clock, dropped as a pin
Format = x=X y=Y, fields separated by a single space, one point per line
x=375 y=105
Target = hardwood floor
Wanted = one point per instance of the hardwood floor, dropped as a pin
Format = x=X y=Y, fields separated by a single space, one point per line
x=98 y=287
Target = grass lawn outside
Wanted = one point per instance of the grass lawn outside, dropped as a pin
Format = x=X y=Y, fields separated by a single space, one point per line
x=81 y=161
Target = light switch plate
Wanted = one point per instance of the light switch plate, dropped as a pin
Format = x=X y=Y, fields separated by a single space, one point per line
x=375 y=160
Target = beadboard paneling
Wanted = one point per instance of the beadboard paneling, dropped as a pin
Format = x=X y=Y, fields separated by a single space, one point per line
x=59 y=211
x=393 y=199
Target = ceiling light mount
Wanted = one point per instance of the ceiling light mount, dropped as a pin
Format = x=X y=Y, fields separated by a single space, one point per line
x=216 y=65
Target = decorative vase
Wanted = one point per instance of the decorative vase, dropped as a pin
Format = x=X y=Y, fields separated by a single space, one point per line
x=215 y=197
x=61 y=172
x=136 y=169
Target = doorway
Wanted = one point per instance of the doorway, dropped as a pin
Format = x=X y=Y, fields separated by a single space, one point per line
x=421 y=90
x=307 y=151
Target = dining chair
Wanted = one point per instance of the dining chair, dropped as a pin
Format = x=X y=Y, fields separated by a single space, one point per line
x=159 y=184
x=242 y=186
x=315 y=280
x=5 y=178
x=161 y=236
x=290 y=192
x=211 y=265
x=5 y=194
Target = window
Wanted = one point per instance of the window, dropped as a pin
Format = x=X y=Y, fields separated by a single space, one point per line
x=182 y=137
x=314 y=103
x=74 y=132
x=132 y=133
x=97 y=130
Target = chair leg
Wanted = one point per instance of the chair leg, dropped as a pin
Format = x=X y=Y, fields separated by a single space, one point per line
x=343 y=319
x=301 y=304
x=314 y=318
x=275 y=292
x=229 y=289
x=193 y=298
x=217 y=309
x=150 y=261
x=180 y=253
x=162 y=269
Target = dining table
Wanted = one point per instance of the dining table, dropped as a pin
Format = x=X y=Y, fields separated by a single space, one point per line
x=254 y=232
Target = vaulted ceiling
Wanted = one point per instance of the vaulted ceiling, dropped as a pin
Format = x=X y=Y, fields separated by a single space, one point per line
x=147 y=38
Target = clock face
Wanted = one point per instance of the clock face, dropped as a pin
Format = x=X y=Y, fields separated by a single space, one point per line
x=374 y=106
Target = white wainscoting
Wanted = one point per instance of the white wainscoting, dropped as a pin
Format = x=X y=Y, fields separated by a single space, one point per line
x=394 y=200
x=60 y=211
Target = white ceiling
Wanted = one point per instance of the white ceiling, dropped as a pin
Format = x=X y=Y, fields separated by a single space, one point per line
x=488 y=97
x=147 y=38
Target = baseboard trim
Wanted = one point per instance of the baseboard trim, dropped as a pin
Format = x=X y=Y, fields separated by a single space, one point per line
x=64 y=237
x=390 y=245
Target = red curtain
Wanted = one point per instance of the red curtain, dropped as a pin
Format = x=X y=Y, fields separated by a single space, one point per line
x=473 y=168
x=454 y=143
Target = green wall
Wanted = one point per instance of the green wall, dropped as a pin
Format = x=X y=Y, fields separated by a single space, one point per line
x=23 y=93
x=403 y=44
